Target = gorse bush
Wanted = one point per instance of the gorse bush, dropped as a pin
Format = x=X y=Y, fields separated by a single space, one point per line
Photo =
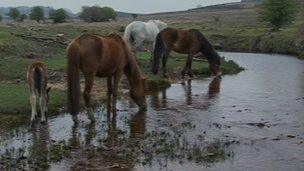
x=59 y=16
x=37 y=14
x=14 y=13
x=278 y=12
x=97 y=14
x=22 y=17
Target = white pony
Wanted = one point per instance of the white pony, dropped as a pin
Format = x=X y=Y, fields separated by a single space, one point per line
x=138 y=32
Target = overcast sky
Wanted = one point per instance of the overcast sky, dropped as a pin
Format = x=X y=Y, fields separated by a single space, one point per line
x=136 y=6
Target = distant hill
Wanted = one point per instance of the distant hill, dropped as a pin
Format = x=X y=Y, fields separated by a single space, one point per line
x=255 y=1
x=27 y=10
x=244 y=4
x=123 y=14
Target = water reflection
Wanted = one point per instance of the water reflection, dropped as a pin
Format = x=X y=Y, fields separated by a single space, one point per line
x=157 y=101
x=138 y=125
x=122 y=139
x=215 y=87
x=188 y=91
x=39 y=151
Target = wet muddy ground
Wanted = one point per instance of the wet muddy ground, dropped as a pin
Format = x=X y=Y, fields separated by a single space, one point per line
x=250 y=121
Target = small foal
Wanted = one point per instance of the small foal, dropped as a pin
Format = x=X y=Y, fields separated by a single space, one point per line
x=37 y=82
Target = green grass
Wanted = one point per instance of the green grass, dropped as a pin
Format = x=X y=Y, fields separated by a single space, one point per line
x=15 y=99
x=15 y=105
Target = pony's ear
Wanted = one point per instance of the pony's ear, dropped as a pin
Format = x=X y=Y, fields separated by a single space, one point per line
x=48 y=90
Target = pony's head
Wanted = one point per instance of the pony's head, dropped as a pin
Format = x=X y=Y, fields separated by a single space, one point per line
x=212 y=56
x=161 y=25
x=138 y=94
x=215 y=64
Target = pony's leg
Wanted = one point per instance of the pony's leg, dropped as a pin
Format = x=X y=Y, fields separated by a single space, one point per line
x=187 y=69
x=109 y=94
x=89 y=81
x=138 y=43
x=117 y=78
x=152 y=52
x=42 y=104
x=33 y=101
x=189 y=60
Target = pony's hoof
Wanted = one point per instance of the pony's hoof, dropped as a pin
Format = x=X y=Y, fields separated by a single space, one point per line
x=143 y=109
x=92 y=120
x=190 y=75
x=43 y=121
x=165 y=76
x=32 y=125
x=75 y=120
x=183 y=73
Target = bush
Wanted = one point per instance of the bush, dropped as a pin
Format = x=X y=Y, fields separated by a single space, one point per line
x=37 y=14
x=278 y=12
x=14 y=13
x=59 y=16
x=22 y=17
x=0 y=18
x=97 y=14
x=134 y=16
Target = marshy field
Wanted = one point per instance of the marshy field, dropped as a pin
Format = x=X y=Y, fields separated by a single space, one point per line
x=251 y=118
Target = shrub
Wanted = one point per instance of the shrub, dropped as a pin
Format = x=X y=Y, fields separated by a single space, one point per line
x=37 y=14
x=59 y=16
x=14 y=13
x=97 y=14
x=278 y=12
x=22 y=17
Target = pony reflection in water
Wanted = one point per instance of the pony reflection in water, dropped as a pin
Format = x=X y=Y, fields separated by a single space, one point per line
x=191 y=42
x=108 y=57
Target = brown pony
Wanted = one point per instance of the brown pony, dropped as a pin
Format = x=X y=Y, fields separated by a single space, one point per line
x=108 y=57
x=37 y=83
x=191 y=42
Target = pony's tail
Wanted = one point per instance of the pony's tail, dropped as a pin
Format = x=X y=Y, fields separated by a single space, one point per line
x=73 y=79
x=38 y=80
x=158 y=53
x=128 y=34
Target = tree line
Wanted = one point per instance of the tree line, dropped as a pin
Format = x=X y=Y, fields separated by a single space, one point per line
x=88 y=14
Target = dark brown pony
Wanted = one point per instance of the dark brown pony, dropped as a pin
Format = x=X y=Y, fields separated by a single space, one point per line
x=191 y=42
x=108 y=57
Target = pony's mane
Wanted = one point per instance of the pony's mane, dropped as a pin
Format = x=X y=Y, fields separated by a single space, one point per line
x=206 y=48
x=132 y=69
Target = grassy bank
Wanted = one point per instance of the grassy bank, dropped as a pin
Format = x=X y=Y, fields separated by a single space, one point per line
x=251 y=37
x=239 y=30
